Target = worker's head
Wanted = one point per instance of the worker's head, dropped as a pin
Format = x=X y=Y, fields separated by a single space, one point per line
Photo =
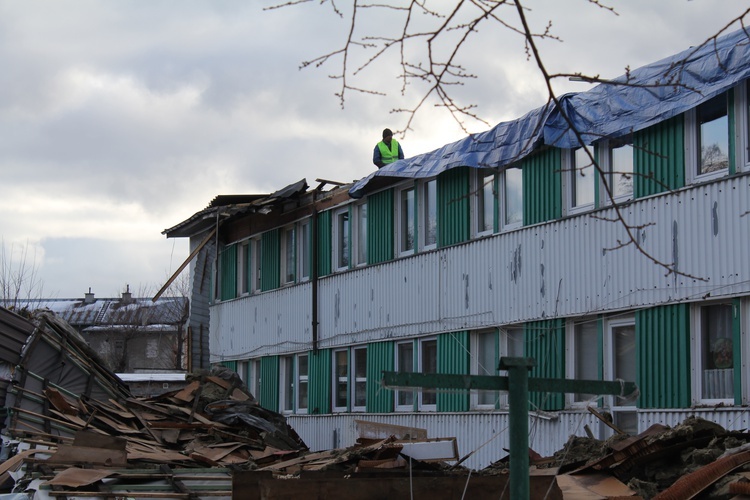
x=387 y=136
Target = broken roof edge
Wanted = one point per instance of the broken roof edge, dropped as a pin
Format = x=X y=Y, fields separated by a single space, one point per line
x=643 y=97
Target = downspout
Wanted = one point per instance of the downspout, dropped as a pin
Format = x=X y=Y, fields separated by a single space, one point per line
x=314 y=277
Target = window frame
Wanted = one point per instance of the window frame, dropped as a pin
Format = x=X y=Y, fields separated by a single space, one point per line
x=337 y=379
x=407 y=395
x=243 y=281
x=693 y=144
x=359 y=234
x=427 y=210
x=573 y=353
x=302 y=379
x=358 y=382
x=478 y=368
x=607 y=166
x=342 y=241
x=256 y=250
x=696 y=342
x=405 y=221
x=742 y=126
x=503 y=189
x=254 y=377
x=287 y=385
x=484 y=180
x=427 y=399
x=571 y=169
x=304 y=240
x=286 y=259
x=608 y=361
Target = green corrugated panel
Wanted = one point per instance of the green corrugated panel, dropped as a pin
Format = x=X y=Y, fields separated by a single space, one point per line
x=270 y=253
x=232 y=365
x=248 y=266
x=453 y=358
x=324 y=243
x=737 y=353
x=269 y=383
x=659 y=158
x=542 y=186
x=662 y=342
x=545 y=342
x=319 y=384
x=453 y=207
x=380 y=230
x=228 y=280
x=380 y=357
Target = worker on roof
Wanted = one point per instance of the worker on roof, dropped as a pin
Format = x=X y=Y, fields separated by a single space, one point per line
x=387 y=151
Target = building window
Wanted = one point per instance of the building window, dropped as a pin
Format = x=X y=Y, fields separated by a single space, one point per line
x=303 y=255
x=579 y=180
x=341 y=380
x=405 y=363
x=302 y=382
x=359 y=375
x=582 y=356
x=428 y=206
x=713 y=353
x=427 y=364
x=511 y=202
x=485 y=202
x=287 y=384
x=254 y=375
x=707 y=129
x=288 y=254
x=616 y=160
x=406 y=232
x=360 y=232
x=243 y=283
x=620 y=364
x=341 y=239
x=484 y=361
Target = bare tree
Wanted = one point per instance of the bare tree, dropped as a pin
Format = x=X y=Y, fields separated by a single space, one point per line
x=432 y=56
x=20 y=283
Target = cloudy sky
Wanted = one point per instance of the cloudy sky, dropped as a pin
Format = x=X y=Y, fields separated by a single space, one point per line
x=121 y=119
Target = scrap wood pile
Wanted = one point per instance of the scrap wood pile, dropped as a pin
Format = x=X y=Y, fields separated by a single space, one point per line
x=695 y=459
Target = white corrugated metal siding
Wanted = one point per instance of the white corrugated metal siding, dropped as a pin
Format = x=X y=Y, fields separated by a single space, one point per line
x=566 y=268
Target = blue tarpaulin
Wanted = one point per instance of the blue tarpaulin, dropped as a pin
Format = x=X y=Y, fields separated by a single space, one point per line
x=632 y=102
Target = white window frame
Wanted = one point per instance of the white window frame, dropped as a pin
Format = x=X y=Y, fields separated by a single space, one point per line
x=608 y=168
x=304 y=255
x=608 y=364
x=742 y=126
x=254 y=373
x=692 y=147
x=404 y=221
x=696 y=332
x=357 y=379
x=479 y=368
x=243 y=370
x=503 y=189
x=302 y=379
x=408 y=394
x=427 y=205
x=338 y=379
x=359 y=234
x=286 y=248
x=243 y=283
x=287 y=385
x=572 y=354
x=342 y=241
x=483 y=187
x=570 y=173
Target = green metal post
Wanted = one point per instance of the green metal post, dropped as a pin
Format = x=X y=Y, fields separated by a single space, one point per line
x=518 y=397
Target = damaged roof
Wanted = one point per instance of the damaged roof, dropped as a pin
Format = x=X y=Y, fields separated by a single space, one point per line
x=632 y=102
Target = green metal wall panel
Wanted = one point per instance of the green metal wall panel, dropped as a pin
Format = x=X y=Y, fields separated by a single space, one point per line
x=542 y=186
x=545 y=342
x=269 y=383
x=270 y=254
x=380 y=357
x=453 y=358
x=319 y=383
x=232 y=365
x=662 y=342
x=659 y=158
x=228 y=281
x=324 y=243
x=453 y=206
x=380 y=231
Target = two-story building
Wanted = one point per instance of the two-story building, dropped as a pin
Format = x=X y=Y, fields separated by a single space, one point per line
x=510 y=242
